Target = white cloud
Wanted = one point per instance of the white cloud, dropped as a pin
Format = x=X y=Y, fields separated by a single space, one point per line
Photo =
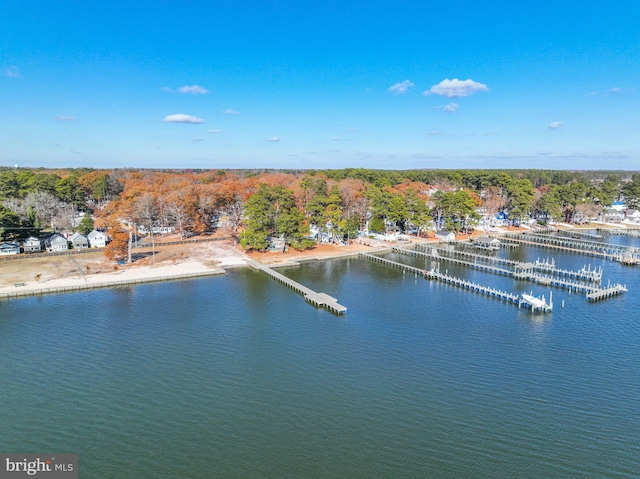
x=616 y=89
x=274 y=139
x=456 y=88
x=193 y=89
x=231 y=112
x=555 y=125
x=400 y=88
x=166 y=89
x=13 y=72
x=182 y=118
x=215 y=131
x=450 y=107
x=65 y=118
x=196 y=139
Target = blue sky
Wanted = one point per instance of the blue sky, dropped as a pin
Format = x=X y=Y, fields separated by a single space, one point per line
x=320 y=84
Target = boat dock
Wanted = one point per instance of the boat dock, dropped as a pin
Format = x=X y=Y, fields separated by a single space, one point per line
x=631 y=232
x=625 y=254
x=607 y=292
x=585 y=274
x=538 y=272
x=319 y=300
x=546 y=266
x=579 y=234
x=459 y=282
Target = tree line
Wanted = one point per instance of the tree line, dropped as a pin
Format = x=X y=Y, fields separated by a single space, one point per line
x=258 y=205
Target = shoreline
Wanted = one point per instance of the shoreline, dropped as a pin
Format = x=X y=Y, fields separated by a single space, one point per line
x=191 y=268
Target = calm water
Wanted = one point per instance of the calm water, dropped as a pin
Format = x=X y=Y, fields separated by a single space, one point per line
x=238 y=377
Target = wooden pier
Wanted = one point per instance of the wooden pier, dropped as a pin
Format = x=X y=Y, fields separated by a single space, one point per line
x=452 y=280
x=579 y=234
x=608 y=292
x=625 y=254
x=538 y=272
x=319 y=300
x=631 y=232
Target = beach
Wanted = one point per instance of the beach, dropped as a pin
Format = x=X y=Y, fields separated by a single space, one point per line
x=30 y=276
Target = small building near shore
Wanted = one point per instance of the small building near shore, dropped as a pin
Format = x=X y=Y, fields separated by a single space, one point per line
x=448 y=236
x=32 y=245
x=487 y=243
x=9 y=249
x=97 y=239
x=79 y=241
x=56 y=242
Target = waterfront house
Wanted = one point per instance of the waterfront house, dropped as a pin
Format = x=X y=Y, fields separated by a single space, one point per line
x=487 y=243
x=613 y=215
x=32 y=245
x=9 y=248
x=447 y=236
x=79 y=241
x=97 y=239
x=56 y=242
x=633 y=216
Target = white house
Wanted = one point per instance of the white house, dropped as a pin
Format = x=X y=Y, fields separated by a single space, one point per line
x=97 y=239
x=632 y=216
x=56 y=242
x=613 y=215
x=32 y=245
x=447 y=236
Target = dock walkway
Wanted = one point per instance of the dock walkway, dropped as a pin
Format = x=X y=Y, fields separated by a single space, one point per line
x=452 y=280
x=539 y=272
x=319 y=300
x=625 y=254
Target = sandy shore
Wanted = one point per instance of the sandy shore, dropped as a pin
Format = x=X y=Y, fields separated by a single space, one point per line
x=44 y=275
x=26 y=277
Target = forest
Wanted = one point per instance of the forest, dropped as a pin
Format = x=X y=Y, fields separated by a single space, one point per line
x=258 y=205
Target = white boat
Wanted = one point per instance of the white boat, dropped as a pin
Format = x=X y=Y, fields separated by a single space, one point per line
x=537 y=303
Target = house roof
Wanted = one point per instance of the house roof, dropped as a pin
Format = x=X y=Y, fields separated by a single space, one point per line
x=76 y=236
x=486 y=240
x=57 y=238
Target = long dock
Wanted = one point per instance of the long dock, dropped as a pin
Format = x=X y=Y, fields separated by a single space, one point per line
x=459 y=282
x=588 y=279
x=538 y=272
x=547 y=266
x=624 y=254
x=319 y=300
x=631 y=232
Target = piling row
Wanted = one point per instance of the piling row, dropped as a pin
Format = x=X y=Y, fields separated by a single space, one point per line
x=608 y=248
x=624 y=254
x=584 y=274
x=580 y=234
x=523 y=271
x=633 y=233
x=452 y=280
x=606 y=293
x=475 y=287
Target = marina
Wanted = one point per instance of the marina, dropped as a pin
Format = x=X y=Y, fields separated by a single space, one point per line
x=539 y=272
x=435 y=274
